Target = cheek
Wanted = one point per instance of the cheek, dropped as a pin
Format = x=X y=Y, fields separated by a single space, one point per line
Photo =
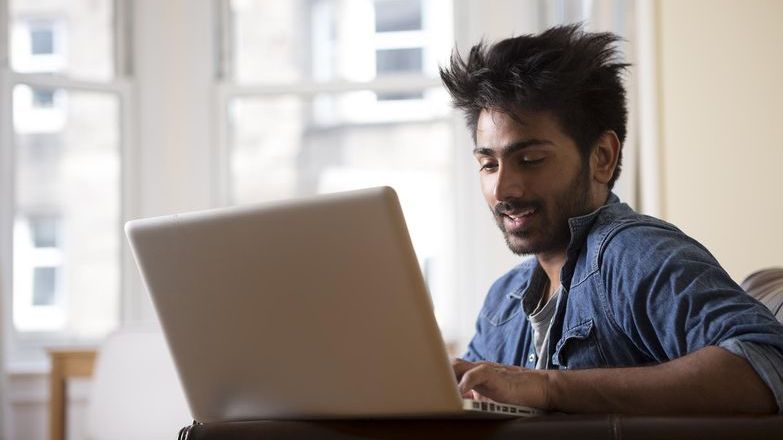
x=488 y=188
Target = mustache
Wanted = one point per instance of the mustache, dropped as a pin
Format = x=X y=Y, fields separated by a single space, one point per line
x=514 y=205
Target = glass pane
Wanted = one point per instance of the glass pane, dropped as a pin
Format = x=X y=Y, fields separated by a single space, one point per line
x=397 y=15
x=71 y=37
x=398 y=60
x=287 y=146
x=44 y=286
x=325 y=40
x=44 y=231
x=66 y=228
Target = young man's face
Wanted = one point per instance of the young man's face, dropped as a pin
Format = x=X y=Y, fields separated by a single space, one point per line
x=533 y=179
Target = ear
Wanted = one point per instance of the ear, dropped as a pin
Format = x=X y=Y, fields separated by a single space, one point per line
x=603 y=159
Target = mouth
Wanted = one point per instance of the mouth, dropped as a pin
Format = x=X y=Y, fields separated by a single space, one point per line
x=517 y=221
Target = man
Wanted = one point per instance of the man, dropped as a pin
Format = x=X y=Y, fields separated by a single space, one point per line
x=617 y=312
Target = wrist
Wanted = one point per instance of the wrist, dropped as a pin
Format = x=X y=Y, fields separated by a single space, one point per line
x=552 y=389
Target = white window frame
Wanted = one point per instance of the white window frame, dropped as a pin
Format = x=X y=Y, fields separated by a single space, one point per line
x=408 y=111
x=203 y=180
x=25 y=351
x=23 y=279
x=40 y=63
x=226 y=90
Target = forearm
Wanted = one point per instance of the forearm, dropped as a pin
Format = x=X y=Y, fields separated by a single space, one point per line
x=711 y=380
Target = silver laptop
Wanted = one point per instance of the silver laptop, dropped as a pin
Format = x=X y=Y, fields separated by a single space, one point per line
x=302 y=309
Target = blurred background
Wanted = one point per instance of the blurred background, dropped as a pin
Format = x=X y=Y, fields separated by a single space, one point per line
x=119 y=109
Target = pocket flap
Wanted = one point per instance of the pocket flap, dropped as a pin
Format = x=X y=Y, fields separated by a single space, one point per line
x=506 y=309
x=580 y=331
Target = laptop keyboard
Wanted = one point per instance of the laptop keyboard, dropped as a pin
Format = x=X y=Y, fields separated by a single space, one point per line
x=499 y=408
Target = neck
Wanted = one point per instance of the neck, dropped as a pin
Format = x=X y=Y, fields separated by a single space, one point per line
x=552 y=263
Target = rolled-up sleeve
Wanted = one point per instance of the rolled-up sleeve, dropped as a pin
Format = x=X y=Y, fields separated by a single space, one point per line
x=680 y=299
x=766 y=360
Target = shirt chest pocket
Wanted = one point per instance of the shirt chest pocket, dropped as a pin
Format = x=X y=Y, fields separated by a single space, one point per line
x=503 y=312
x=578 y=348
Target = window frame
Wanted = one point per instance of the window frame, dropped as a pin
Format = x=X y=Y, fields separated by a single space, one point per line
x=480 y=254
x=25 y=351
x=227 y=89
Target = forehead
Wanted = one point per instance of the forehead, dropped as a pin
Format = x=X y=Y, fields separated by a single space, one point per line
x=496 y=128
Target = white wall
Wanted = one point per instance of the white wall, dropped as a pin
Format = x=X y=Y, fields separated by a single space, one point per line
x=173 y=72
x=29 y=407
x=720 y=74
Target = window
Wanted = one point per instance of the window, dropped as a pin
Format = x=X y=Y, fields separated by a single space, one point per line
x=44 y=285
x=38 y=41
x=38 y=260
x=43 y=98
x=351 y=101
x=45 y=231
x=61 y=195
x=41 y=39
x=400 y=44
x=398 y=60
x=398 y=15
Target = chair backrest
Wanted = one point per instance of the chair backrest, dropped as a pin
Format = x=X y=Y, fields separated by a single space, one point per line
x=766 y=286
x=135 y=392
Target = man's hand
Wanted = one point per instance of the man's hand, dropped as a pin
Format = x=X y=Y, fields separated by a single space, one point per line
x=708 y=381
x=502 y=383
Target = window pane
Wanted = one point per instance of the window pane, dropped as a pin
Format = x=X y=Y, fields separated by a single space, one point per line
x=43 y=98
x=72 y=37
x=66 y=229
x=44 y=231
x=398 y=60
x=397 y=15
x=325 y=40
x=42 y=39
x=44 y=286
x=289 y=146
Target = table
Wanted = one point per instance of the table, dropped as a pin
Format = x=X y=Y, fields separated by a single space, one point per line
x=576 y=427
x=66 y=363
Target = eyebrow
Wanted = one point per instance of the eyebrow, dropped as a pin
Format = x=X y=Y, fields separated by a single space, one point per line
x=510 y=148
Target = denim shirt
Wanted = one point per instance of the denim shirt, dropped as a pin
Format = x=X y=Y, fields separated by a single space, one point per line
x=635 y=291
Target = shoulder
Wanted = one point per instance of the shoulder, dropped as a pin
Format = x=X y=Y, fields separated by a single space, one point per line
x=643 y=259
x=636 y=238
x=641 y=255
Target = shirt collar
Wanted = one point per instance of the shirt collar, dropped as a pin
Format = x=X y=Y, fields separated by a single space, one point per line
x=580 y=226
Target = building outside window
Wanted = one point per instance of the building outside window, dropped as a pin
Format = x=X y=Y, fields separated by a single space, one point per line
x=62 y=205
x=352 y=100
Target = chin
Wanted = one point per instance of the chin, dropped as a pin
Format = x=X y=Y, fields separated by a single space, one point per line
x=520 y=246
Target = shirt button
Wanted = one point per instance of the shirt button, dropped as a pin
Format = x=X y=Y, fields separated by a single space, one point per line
x=532 y=357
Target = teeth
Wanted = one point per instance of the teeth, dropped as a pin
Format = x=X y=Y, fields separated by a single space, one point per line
x=521 y=214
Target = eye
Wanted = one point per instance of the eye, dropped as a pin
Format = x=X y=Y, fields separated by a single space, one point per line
x=488 y=165
x=531 y=159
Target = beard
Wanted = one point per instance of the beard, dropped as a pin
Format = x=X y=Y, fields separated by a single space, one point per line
x=550 y=230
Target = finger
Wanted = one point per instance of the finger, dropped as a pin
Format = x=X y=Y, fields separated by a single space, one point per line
x=475 y=395
x=460 y=366
x=473 y=378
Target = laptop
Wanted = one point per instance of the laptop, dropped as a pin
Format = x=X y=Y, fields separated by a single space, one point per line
x=300 y=309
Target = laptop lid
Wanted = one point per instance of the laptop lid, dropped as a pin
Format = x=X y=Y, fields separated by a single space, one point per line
x=309 y=308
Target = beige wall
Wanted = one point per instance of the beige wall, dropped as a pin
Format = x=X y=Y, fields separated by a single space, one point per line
x=721 y=112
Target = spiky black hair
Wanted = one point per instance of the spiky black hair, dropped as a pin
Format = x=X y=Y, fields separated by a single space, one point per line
x=574 y=74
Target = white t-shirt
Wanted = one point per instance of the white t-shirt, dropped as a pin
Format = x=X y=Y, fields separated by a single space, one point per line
x=541 y=321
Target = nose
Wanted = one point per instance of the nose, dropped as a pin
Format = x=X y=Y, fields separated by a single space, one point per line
x=508 y=184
